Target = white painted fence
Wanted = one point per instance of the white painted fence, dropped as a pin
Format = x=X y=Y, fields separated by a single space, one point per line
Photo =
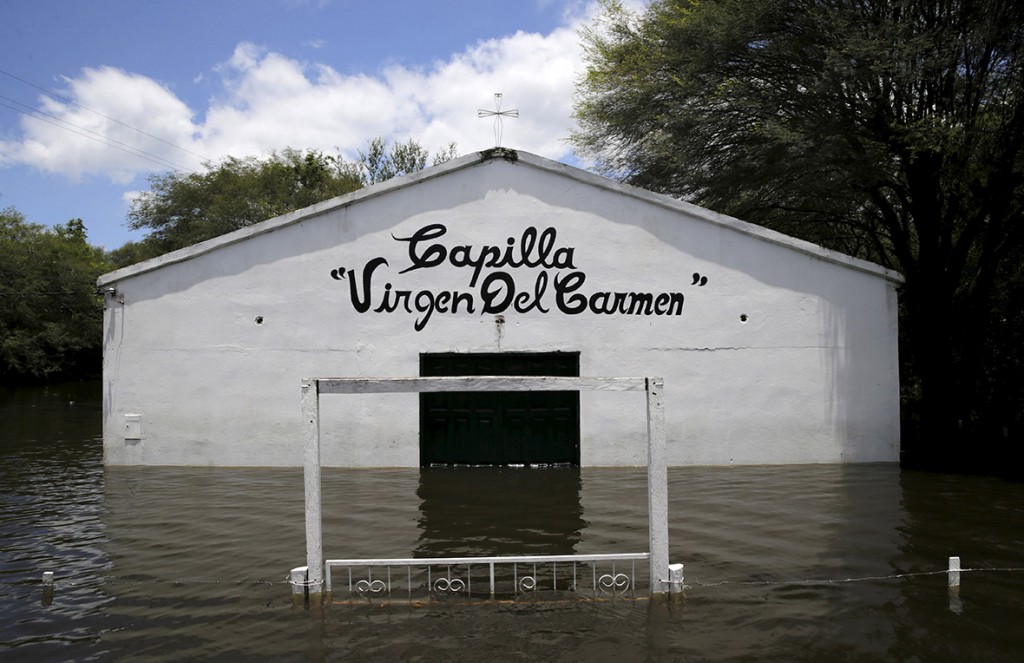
x=601 y=575
x=662 y=579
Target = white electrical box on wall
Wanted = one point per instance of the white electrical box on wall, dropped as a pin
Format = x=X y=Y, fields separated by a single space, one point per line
x=133 y=426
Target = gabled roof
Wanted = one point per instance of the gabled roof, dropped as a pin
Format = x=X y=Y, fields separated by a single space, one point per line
x=520 y=158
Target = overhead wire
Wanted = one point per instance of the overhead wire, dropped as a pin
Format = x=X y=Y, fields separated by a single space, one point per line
x=99 y=138
x=59 y=97
x=63 y=99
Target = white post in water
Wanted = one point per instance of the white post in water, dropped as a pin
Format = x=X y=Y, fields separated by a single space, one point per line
x=675 y=578
x=297 y=578
x=954 y=571
x=47 y=598
x=956 y=606
x=314 y=523
x=657 y=487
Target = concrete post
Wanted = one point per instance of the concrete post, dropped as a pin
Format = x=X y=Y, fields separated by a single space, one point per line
x=954 y=572
x=675 y=578
x=297 y=578
x=47 y=598
x=311 y=456
x=956 y=605
x=657 y=486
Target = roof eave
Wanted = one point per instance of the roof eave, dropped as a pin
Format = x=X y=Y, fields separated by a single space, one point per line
x=513 y=156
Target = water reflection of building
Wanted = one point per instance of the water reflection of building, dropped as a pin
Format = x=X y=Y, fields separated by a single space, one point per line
x=499 y=511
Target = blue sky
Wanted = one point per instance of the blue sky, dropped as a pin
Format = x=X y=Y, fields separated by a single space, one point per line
x=193 y=80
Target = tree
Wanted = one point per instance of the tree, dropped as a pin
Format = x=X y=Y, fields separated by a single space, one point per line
x=888 y=129
x=182 y=209
x=51 y=322
x=379 y=163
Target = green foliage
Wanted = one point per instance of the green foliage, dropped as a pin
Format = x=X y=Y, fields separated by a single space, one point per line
x=887 y=129
x=51 y=319
x=133 y=252
x=449 y=152
x=182 y=209
x=379 y=163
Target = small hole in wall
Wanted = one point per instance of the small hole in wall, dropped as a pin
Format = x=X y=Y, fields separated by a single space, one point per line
x=259 y=319
x=743 y=318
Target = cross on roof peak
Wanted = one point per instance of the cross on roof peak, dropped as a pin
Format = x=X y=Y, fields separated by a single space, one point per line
x=497 y=114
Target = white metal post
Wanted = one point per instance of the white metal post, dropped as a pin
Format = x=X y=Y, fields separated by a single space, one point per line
x=297 y=578
x=314 y=523
x=657 y=486
x=954 y=572
x=956 y=605
x=675 y=578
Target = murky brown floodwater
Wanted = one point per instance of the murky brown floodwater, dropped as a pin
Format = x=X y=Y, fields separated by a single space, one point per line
x=171 y=564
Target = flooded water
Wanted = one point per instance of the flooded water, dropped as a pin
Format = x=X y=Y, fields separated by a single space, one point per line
x=782 y=563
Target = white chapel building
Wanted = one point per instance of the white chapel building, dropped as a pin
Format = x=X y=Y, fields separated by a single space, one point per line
x=772 y=350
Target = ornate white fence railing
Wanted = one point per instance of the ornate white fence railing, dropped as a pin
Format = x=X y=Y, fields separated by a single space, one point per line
x=602 y=575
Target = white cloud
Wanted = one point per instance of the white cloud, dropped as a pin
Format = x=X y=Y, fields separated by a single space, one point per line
x=128 y=197
x=118 y=125
x=268 y=101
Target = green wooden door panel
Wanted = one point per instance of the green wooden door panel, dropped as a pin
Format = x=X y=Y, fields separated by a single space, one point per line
x=499 y=428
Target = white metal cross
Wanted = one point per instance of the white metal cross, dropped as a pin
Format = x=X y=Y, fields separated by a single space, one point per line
x=497 y=114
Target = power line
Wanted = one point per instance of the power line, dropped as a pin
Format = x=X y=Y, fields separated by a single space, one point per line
x=54 y=95
x=99 y=138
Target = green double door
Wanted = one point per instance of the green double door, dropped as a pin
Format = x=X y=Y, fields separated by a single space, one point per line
x=500 y=427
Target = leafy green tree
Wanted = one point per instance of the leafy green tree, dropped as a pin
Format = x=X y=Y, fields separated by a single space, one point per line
x=888 y=129
x=379 y=163
x=51 y=322
x=182 y=209
x=447 y=153
x=133 y=252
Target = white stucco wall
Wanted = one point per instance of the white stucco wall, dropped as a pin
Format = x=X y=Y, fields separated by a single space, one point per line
x=810 y=376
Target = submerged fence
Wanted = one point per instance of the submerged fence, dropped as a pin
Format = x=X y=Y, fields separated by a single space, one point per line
x=662 y=577
x=607 y=575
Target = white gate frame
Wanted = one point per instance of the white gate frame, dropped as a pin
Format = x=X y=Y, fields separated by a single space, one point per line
x=657 y=476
